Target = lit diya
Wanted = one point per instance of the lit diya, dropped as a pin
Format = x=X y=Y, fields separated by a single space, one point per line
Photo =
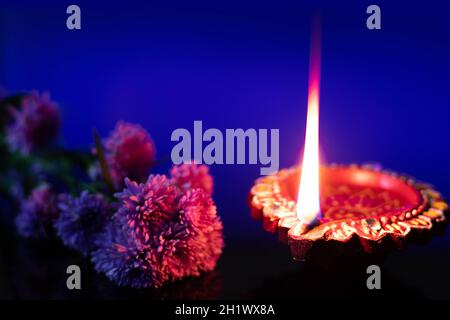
x=337 y=207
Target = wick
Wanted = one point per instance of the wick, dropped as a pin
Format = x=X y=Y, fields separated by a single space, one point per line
x=305 y=227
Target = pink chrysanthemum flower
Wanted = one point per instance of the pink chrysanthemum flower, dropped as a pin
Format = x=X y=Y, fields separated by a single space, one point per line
x=160 y=234
x=198 y=244
x=190 y=175
x=130 y=152
x=145 y=206
x=35 y=124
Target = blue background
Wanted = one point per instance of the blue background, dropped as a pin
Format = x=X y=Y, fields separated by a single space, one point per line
x=233 y=64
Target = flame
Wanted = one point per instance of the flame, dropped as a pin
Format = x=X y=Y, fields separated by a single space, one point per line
x=308 y=204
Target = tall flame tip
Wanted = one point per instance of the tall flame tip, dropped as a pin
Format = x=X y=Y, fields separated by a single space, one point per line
x=308 y=204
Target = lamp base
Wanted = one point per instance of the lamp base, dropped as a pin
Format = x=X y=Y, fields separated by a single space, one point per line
x=364 y=209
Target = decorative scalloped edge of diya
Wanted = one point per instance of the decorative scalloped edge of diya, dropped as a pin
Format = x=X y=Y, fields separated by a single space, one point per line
x=364 y=209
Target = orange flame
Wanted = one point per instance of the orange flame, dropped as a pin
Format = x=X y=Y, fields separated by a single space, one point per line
x=308 y=205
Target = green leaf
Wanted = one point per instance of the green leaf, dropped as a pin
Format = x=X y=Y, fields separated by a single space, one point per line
x=102 y=159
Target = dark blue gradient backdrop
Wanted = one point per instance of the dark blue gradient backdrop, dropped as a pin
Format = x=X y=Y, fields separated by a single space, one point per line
x=232 y=64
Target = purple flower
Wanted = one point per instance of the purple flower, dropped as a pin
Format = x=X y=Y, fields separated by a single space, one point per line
x=37 y=213
x=130 y=152
x=35 y=124
x=81 y=220
x=125 y=258
x=190 y=176
x=159 y=234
